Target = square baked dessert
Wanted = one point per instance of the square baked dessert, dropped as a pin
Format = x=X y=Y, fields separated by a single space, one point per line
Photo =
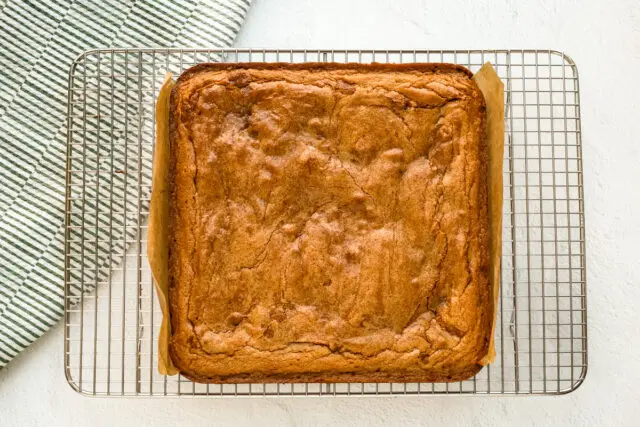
x=328 y=223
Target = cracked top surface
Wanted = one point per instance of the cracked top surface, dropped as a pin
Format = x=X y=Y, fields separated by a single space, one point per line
x=328 y=223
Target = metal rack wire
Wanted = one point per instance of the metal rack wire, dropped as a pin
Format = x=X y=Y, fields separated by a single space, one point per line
x=111 y=315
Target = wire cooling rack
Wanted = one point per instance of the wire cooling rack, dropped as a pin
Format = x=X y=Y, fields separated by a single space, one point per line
x=112 y=317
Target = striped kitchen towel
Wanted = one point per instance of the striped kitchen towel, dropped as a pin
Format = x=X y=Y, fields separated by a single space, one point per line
x=38 y=41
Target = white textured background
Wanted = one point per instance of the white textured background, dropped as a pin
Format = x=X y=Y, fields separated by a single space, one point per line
x=603 y=37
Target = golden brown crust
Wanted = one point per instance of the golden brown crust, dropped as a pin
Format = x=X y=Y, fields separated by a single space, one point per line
x=328 y=223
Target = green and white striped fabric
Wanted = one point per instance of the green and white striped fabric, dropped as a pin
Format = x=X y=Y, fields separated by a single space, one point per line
x=38 y=41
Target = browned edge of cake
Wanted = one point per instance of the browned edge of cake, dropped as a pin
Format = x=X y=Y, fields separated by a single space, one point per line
x=364 y=377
